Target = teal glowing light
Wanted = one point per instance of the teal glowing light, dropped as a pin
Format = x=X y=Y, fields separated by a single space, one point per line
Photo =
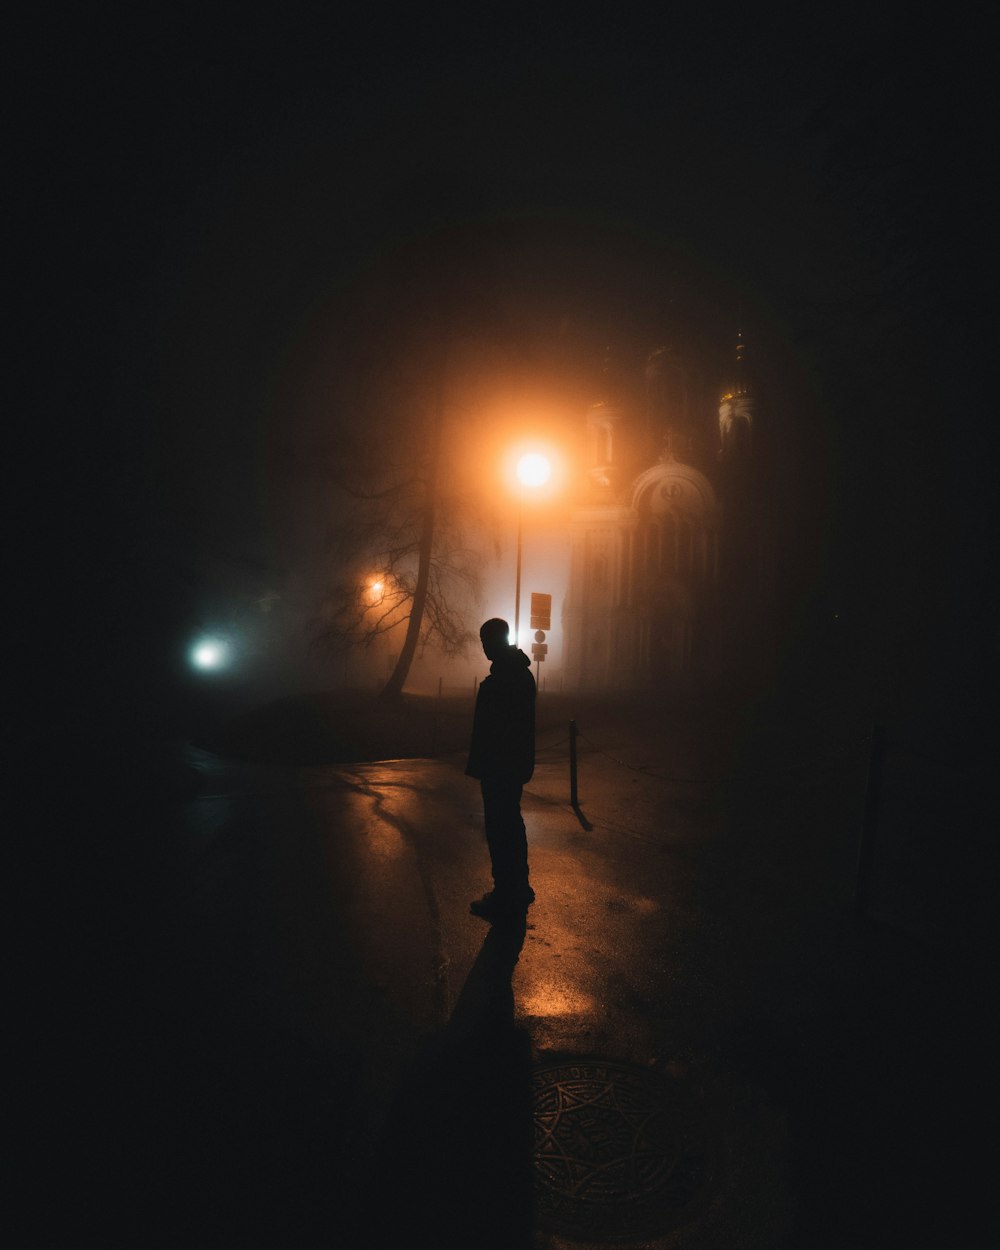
x=210 y=654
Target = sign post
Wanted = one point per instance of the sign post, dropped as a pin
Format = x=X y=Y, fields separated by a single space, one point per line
x=541 y=620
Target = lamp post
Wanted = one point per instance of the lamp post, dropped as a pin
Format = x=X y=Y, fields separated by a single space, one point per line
x=533 y=469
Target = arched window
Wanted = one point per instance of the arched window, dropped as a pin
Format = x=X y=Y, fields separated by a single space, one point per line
x=685 y=547
x=668 y=543
x=652 y=545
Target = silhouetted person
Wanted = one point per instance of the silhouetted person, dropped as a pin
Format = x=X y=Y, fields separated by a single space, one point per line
x=502 y=758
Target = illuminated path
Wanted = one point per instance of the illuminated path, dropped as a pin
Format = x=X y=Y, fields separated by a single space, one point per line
x=395 y=852
x=334 y=901
x=692 y=1044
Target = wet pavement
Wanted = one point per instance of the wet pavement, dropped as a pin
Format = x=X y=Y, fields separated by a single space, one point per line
x=692 y=1041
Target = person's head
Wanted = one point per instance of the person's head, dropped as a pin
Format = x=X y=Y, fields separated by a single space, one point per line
x=494 y=634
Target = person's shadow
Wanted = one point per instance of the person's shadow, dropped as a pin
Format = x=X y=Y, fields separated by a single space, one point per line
x=453 y=1166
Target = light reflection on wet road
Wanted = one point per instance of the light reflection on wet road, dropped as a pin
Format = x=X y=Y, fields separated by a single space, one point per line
x=324 y=919
x=335 y=900
x=403 y=854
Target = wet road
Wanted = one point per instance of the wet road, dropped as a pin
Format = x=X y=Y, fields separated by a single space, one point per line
x=324 y=921
x=394 y=852
x=690 y=1043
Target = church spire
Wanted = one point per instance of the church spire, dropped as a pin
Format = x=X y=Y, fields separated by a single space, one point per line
x=736 y=408
x=736 y=380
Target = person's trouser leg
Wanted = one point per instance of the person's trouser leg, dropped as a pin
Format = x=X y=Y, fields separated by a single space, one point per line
x=505 y=834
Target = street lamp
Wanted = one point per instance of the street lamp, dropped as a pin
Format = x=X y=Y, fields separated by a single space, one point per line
x=533 y=469
x=211 y=654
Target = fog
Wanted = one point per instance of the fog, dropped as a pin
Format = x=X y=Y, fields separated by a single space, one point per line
x=238 y=248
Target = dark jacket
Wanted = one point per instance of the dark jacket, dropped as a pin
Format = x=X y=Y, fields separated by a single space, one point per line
x=503 y=728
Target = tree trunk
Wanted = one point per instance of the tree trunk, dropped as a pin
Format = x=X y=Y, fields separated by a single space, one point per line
x=393 y=688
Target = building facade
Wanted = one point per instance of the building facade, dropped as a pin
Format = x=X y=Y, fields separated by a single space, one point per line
x=669 y=563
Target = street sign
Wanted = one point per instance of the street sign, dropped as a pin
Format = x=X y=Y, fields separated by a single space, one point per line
x=538 y=650
x=541 y=611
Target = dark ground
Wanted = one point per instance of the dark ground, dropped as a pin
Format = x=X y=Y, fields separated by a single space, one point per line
x=869 y=1034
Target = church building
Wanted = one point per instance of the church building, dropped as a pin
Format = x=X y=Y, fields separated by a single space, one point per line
x=670 y=560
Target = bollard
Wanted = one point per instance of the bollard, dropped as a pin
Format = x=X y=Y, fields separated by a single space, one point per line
x=572 y=763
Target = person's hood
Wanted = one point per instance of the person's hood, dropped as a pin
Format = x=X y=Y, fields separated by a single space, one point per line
x=512 y=658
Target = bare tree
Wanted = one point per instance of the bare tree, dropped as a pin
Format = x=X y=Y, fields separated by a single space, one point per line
x=404 y=561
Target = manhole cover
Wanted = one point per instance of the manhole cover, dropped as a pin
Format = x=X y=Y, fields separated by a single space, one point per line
x=619 y=1153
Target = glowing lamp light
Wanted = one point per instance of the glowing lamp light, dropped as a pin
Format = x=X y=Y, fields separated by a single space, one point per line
x=533 y=469
x=210 y=654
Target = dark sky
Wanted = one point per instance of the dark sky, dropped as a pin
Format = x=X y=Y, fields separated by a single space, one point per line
x=206 y=187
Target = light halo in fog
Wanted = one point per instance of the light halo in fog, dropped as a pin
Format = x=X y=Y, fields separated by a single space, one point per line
x=209 y=655
x=534 y=469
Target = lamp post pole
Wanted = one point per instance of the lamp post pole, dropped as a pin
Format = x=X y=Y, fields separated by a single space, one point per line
x=517 y=582
x=532 y=470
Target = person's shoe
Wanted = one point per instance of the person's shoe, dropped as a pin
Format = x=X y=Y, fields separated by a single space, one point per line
x=496 y=904
x=485 y=906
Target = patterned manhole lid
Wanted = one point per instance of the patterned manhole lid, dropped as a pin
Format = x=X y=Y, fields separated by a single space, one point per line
x=619 y=1153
